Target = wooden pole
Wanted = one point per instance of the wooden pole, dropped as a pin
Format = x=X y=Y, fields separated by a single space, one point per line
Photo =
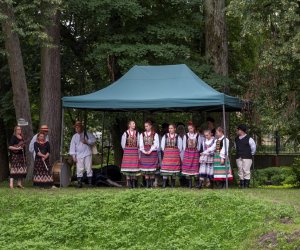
x=225 y=145
x=62 y=134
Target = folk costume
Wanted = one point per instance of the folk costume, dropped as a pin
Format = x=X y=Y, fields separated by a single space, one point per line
x=130 y=161
x=83 y=154
x=42 y=176
x=206 y=171
x=218 y=148
x=149 y=144
x=43 y=128
x=172 y=147
x=18 y=169
x=191 y=147
x=245 y=149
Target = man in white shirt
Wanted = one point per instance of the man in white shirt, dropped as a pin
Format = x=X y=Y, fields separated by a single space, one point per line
x=245 y=150
x=81 y=151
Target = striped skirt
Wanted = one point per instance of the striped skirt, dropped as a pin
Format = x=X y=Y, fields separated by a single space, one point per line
x=171 y=162
x=130 y=161
x=149 y=163
x=41 y=176
x=220 y=170
x=190 y=164
x=18 y=169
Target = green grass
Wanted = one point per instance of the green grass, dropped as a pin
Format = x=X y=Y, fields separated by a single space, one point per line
x=149 y=219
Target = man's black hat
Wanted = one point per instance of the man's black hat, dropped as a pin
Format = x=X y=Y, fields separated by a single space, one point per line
x=242 y=127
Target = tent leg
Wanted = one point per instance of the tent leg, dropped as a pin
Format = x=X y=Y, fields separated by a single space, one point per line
x=62 y=134
x=102 y=140
x=225 y=144
x=61 y=142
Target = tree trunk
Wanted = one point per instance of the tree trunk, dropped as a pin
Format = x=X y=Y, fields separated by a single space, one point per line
x=117 y=130
x=216 y=45
x=4 y=166
x=17 y=74
x=118 y=127
x=50 y=112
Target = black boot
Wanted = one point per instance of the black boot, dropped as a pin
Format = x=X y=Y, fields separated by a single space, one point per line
x=79 y=182
x=200 y=184
x=173 y=182
x=152 y=182
x=90 y=181
x=190 y=183
x=164 y=183
x=246 y=183
x=197 y=183
x=147 y=183
x=129 y=183
x=222 y=184
x=242 y=183
x=133 y=184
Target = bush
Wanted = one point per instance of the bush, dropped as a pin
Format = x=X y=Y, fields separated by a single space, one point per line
x=276 y=176
x=296 y=171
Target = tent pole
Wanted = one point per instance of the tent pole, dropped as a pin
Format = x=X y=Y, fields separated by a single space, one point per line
x=225 y=145
x=61 y=142
x=62 y=133
x=102 y=140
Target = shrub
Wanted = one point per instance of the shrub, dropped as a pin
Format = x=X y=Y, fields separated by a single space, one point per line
x=276 y=176
x=296 y=171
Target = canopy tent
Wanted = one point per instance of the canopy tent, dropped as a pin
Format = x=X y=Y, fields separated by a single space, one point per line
x=163 y=88
x=156 y=88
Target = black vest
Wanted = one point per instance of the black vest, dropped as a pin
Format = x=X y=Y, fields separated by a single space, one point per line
x=243 y=149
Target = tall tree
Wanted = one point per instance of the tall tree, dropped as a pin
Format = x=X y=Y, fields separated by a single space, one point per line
x=216 y=44
x=17 y=71
x=272 y=62
x=3 y=152
x=50 y=112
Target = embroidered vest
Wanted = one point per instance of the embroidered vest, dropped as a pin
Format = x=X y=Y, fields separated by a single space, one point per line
x=131 y=140
x=171 y=142
x=148 y=140
x=192 y=143
x=219 y=145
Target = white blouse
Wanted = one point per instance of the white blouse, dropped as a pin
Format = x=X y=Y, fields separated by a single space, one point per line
x=222 y=152
x=163 y=143
x=155 y=145
x=206 y=143
x=193 y=137
x=124 y=138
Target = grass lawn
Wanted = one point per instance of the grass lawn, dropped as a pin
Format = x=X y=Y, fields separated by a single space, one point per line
x=106 y=218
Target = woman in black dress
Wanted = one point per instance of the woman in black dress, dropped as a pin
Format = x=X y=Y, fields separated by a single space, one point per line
x=42 y=176
x=18 y=169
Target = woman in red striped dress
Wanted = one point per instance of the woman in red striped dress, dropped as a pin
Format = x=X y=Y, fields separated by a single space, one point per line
x=171 y=145
x=191 y=146
x=130 y=161
x=149 y=144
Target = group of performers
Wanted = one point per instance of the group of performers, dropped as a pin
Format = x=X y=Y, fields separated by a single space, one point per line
x=40 y=148
x=202 y=157
x=199 y=156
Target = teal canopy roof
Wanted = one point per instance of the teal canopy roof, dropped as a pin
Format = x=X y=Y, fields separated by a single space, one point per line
x=161 y=88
